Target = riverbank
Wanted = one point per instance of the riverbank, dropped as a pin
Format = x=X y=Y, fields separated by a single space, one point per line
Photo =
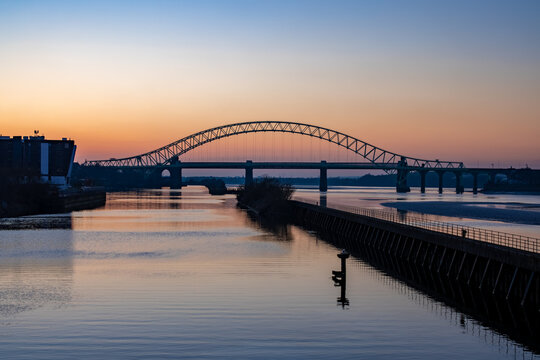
x=266 y=197
x=32 y=199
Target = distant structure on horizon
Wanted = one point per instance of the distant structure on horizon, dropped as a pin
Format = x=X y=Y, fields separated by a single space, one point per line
x=35 y=176
x=34 y=159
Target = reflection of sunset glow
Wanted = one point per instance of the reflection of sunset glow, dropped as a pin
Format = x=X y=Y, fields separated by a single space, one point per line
x=145 y=275
x=123 y=87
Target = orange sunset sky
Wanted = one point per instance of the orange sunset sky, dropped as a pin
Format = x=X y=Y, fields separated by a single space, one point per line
x=454 y=80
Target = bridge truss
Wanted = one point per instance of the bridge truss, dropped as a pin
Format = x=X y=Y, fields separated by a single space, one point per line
x=168 y=154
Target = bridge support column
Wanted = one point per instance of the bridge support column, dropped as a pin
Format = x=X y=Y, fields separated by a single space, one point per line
x=441 y=176
x=475 y=183
x=423 y=181
x=459 y=187
x=322 y=199
x=249 y=173
x=401 y=181
x=323 y=178
x=176 y=173
x=176 y=177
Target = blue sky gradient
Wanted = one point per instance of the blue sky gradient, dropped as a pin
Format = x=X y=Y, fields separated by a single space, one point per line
x=374 y=69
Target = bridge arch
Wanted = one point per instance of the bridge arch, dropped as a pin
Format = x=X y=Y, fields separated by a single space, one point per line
x=373 y=154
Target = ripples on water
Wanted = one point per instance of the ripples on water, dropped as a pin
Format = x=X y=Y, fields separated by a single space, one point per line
x=169 y=274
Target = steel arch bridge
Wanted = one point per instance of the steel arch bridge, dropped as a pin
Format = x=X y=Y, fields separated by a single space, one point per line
x=168 y=154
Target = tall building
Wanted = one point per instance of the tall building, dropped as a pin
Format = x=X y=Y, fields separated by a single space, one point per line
x=26 y=159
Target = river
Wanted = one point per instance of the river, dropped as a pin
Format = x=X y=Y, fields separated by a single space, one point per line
x=182 y=274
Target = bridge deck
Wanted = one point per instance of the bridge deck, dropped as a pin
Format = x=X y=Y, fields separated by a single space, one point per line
x=309 y=165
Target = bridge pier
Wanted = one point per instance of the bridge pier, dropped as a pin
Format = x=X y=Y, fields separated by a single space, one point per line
x=176 y=177
x=423 y=181
x=441 y=175
x=323 y=177
x=249 y=173
x=475 y=183
x=459 y=187
x=401 y=181
x=176 y=173
x=322 y=199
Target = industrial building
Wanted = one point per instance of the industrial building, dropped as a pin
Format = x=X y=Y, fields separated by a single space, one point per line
x=34 y=159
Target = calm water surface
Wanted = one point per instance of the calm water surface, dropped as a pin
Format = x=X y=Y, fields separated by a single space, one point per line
x=169 y=274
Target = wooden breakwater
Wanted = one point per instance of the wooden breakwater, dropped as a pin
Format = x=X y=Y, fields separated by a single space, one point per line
x=497 y=271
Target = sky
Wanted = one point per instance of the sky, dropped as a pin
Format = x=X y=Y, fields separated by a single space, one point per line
x=452 y=80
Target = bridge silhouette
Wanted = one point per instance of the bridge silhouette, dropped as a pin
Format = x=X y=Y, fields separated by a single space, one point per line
x=169 y=157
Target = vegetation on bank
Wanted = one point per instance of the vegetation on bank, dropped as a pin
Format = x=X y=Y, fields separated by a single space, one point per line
x=267 y=197
x=215 y=186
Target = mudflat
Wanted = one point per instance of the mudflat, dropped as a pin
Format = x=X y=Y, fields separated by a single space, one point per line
x=506 y=212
